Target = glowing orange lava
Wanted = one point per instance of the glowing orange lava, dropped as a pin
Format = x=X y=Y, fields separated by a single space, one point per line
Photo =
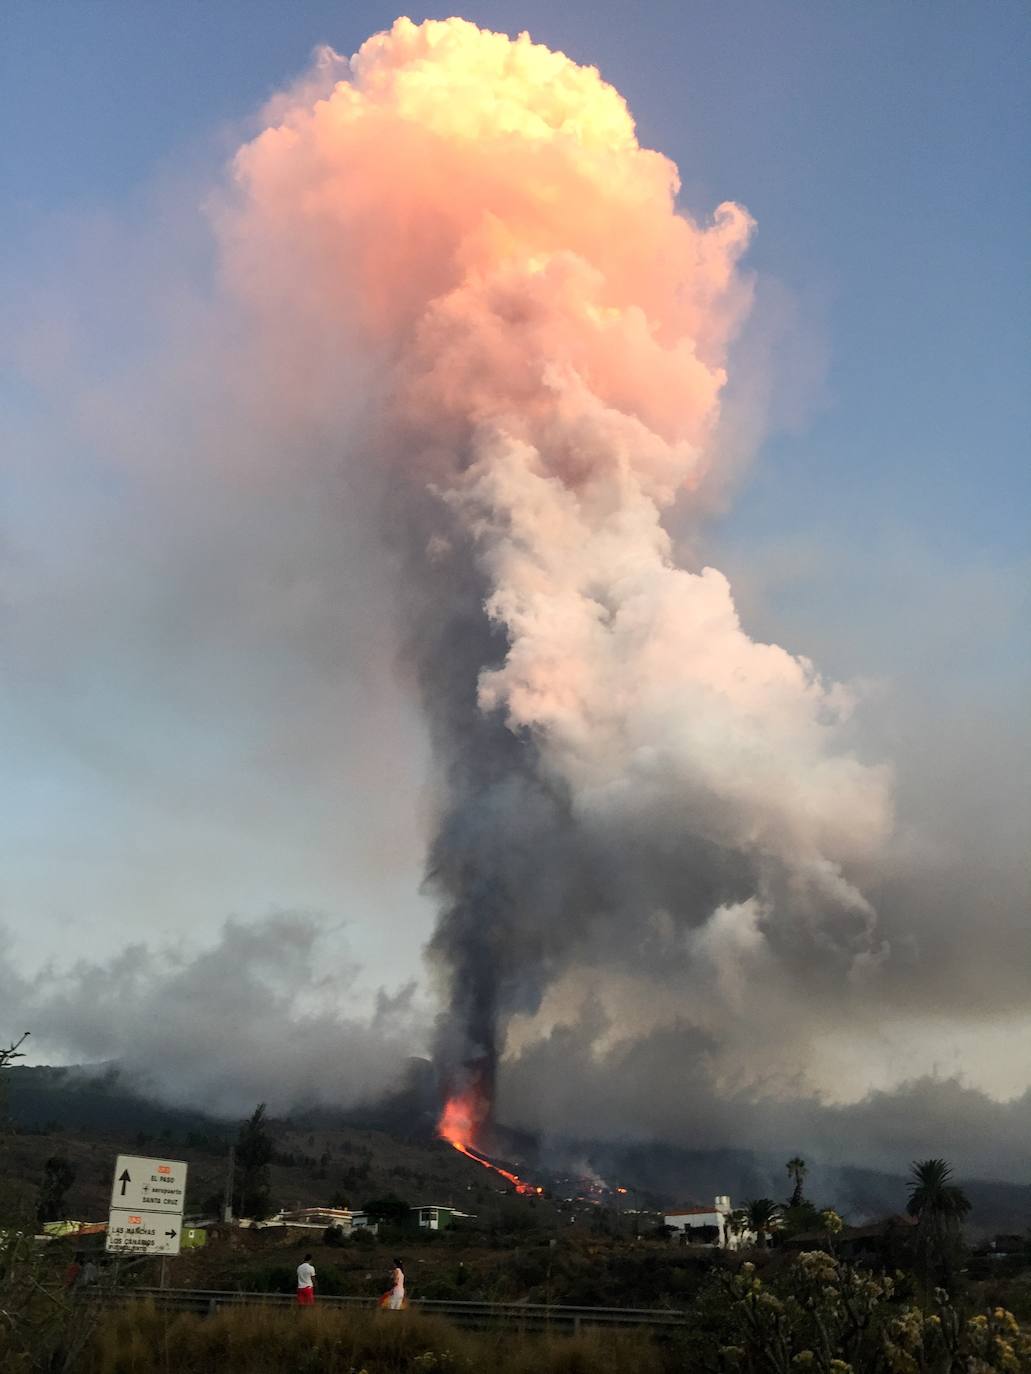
x=459 y=1120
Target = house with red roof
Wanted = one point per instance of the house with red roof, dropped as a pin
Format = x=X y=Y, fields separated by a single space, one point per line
x=709 y=1225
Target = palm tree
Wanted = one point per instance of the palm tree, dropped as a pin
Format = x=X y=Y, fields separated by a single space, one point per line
x=737 y=1226
x=763 y=1217
x=939 y=1206
x=796 y=1170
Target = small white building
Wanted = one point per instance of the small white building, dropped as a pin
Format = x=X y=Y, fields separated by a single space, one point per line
x=690 y=1220
x=318 y=1219
x=433 y=1217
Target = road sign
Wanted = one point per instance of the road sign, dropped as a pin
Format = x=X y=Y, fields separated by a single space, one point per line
x=147 y=1198
x=149 y=1185
x=143 y=1233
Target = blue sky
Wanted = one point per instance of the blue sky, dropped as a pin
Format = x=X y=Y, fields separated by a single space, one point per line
x=881 y=528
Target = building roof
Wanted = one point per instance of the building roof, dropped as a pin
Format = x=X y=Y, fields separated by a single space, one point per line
x=694 y=1212
x=316 y=1211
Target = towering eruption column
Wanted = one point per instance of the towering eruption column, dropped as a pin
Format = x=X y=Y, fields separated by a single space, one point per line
x=472 y=218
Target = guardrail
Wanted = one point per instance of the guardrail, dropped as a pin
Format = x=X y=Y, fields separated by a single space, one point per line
x=519 y=1315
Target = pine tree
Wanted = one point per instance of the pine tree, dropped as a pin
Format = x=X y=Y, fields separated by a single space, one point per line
x=58 y=1177
x=253 y=1157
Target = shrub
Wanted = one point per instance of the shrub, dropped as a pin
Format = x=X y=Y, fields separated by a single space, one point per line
x=138 y=1340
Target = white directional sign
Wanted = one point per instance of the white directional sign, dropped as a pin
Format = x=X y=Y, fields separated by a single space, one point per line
x=149 y=1185
x=143 y=1233
x=147 y=1198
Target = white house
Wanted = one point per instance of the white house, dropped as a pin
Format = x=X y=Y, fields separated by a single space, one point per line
x=727 y=1236
x=434 y=1217
x=318 y=1219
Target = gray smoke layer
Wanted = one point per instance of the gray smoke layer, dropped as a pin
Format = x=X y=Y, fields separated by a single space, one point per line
x=661 y=1087
x=257 y=1015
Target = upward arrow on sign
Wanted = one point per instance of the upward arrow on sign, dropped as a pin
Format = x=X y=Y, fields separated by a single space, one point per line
x=123 y=1179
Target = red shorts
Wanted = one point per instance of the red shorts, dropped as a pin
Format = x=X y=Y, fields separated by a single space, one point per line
x=306 y=1297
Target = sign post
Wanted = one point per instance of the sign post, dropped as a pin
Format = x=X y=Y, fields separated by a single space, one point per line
x=147 y=1200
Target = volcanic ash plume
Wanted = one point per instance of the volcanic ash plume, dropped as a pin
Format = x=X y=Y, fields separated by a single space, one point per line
x=471 y=220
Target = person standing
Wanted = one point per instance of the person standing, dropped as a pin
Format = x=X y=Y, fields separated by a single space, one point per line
x=306 y=1283
x=397 y=1292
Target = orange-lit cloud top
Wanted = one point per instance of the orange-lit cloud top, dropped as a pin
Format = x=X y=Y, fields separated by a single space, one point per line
x=460 y=183
x=476 y=213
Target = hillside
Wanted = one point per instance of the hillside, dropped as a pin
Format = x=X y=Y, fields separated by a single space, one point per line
x=91 y=1121
x=90 y=1116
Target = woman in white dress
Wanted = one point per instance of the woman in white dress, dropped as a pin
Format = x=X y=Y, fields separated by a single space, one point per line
x=397 y=1292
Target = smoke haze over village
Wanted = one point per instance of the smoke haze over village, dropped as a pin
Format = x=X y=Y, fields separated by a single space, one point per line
x=394 y=580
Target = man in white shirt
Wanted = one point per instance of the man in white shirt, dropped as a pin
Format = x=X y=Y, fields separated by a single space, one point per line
x=306 y=1282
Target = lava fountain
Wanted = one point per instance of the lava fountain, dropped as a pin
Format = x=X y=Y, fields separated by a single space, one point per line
x=461 y=1118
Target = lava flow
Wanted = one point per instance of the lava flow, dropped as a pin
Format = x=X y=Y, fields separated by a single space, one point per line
x=458 y=1122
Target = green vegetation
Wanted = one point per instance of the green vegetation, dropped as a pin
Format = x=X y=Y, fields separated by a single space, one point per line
x=821 y=1316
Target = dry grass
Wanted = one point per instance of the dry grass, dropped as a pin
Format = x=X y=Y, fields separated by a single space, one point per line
x=140 y=1340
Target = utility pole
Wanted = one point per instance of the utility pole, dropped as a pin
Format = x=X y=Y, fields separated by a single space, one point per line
x=227 y=1196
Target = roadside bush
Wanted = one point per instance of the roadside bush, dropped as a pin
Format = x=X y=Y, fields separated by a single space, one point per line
x=262 y=1341
x=829 y=1318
